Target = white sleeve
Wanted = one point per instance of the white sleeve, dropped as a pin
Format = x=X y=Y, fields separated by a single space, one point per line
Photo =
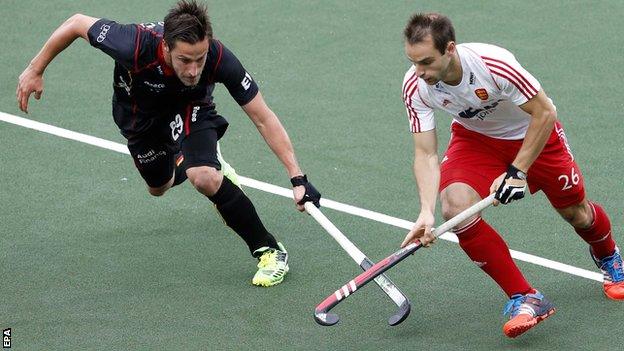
x=420 y=114
x=516 y=83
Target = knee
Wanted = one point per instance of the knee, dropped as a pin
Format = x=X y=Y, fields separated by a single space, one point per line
x=579 y=216
x=206 y=180
x=161 y=190
x=455 y=198
x=452 y=206
x=156 y=191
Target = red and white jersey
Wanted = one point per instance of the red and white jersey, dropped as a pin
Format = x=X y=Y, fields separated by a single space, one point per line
x=486 y=100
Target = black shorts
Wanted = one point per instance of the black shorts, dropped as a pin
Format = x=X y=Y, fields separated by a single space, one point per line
x=191 y=131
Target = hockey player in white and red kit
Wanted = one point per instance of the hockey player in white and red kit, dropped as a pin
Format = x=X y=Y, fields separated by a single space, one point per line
x=505 y=136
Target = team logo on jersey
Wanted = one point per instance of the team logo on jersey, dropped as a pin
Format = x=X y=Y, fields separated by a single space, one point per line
x=440 y=89
x=246 y=82
x=445 y=102
x=104 y=30
x=154 y=86
x=122 y=84
x=480 y=113
x=194 y=114
x=482 y=94
x=151 y=25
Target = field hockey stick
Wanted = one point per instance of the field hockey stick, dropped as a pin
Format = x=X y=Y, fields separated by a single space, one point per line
x=321 y=313
x=358 y=256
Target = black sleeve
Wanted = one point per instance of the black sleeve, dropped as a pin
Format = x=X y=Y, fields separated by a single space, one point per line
x=233 y=75
x=117 y=40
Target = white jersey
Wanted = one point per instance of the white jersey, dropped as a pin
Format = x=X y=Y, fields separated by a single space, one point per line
x=486 y=100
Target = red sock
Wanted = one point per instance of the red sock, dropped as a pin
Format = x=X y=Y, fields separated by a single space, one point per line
x=598 y=235
x=488 y=250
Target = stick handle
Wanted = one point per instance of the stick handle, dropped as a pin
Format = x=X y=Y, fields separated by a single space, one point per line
x=342 y=240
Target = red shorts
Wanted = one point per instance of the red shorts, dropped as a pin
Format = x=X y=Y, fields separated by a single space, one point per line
x=475 y=159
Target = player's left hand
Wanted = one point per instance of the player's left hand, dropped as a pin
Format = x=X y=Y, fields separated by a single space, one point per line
x=509 y=186
x=421 y=231
x=30 y=81
x=304 y=191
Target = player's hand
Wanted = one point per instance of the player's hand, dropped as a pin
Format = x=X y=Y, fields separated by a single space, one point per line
x=304 y=191
x=421 y=231
x=30 y=81
x=509 y=186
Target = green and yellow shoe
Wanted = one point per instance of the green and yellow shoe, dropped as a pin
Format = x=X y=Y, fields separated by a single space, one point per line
x=272 y=267
x=228 y=171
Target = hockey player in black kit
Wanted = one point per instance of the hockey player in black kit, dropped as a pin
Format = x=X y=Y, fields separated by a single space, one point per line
x=164 y=77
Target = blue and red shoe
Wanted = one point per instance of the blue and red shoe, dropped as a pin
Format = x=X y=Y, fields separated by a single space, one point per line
x=525 y=312
x=613 y=273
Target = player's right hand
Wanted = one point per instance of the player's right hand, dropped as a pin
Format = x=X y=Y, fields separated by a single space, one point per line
x=304 y=191
x=421 y=231
x=30 y=81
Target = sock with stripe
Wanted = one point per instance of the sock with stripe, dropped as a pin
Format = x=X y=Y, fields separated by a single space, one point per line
x=487 y=249
x=598 y=235
x=180 y=170
x=240 y=214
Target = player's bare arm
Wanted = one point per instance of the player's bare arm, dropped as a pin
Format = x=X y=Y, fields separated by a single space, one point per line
x=543 y=118
x=427 y=174
x=276 y=137
x=31 y=80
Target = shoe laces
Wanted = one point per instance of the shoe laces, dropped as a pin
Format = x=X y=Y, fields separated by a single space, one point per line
x=612 y=267
x=267 y=258
x=518 y=305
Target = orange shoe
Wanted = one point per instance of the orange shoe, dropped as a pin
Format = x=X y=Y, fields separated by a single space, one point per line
x=525 y=312
x=614 y=291
x=613 y=272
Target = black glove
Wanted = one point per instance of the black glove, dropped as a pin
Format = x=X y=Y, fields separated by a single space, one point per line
x=311 y=194
x=513 y=186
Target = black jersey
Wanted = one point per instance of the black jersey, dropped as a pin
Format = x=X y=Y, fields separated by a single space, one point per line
x=146 y=88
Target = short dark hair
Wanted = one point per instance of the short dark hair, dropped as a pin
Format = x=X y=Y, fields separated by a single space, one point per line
x=187 y=21
x=439 y=26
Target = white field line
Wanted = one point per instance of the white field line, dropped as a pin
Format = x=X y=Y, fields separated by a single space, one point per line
x=277 y=190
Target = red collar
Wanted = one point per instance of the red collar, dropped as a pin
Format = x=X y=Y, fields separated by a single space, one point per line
x=167 y=70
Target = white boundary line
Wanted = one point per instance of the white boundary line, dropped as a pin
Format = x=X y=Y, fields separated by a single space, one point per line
x=273 y=189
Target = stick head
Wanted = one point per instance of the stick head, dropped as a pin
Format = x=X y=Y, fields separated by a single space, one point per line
x=401 y=314
x=326 y=319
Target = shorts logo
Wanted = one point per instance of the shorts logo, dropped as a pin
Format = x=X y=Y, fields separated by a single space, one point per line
x=176 y=127
x=564 y=139
x=246 y=82
x=482 y=94
x=149 y=156
x=102 y=36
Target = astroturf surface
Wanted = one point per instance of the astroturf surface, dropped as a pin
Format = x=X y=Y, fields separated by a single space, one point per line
x=89 y=261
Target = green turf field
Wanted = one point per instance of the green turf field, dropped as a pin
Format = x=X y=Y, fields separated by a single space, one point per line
x=89 y=261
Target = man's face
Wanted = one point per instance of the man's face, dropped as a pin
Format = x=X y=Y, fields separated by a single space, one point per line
x=430 y=64
x=188 y=60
